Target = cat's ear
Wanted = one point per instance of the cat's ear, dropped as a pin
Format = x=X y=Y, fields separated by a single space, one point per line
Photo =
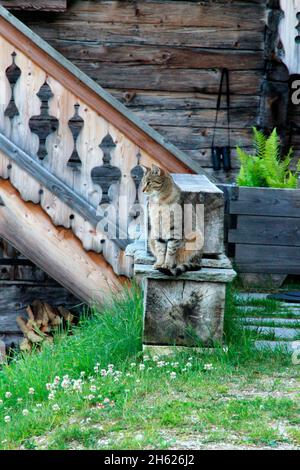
x=155 y=170
x=145 y=169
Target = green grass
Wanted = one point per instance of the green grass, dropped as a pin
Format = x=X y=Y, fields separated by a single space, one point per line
x=240 y=397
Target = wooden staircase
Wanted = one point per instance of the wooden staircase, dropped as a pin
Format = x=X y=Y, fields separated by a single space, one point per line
x=71 y=155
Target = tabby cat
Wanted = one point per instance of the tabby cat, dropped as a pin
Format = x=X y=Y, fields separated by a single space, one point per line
x=174 y=252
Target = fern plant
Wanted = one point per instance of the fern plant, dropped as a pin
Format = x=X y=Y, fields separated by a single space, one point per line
x=266 y=168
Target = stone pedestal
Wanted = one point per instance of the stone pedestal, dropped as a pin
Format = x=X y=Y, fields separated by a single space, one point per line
x=187 y=310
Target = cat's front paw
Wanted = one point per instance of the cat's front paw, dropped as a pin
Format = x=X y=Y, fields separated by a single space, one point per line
x=168 y=266
x=157 y=265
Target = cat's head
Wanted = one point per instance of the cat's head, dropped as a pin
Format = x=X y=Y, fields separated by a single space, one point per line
x=153 y=179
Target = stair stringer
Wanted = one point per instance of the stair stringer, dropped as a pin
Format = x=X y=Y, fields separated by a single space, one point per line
x=56 y=250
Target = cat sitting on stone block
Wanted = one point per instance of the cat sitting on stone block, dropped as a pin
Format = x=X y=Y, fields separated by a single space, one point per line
x=176 y=236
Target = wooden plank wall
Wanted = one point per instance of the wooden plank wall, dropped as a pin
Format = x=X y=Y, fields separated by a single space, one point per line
x=162 y=58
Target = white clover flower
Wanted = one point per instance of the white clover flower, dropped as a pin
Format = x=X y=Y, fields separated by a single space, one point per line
x=7 y=419
x=188 y=364
x=161 y=364
x=142 y=366
x=138 y=381
x=55 y=407
x=106 y=401
x=8 y=394
x=19 y=400
x=128 y=374
x=173 y=375
x=48 y=387
x=51 y=395
x=155 y=358
x=1 y=402
x=208 y=366
x=90 y=397
x=56 y=381
x=82 y=374
x=103 y=372
x=31 y=391
x=25 y=412
x=110 y=366
x=146 y=358
x=96 y=369
x=77 y=385
x=93 y=388
x=65 y=383
x=39 y=405
x=133 y=364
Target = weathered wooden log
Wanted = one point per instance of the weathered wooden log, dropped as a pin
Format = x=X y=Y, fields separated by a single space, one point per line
x=197 y=189
x=187 y=310
x=56 y=251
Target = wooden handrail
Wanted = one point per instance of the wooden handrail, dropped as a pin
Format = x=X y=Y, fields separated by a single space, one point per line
x=57 y=66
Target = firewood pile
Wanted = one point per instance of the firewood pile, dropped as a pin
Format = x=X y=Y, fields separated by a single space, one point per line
x=42 y=321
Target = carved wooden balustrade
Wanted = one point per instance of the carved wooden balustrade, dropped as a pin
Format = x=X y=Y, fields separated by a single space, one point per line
x=67 y=145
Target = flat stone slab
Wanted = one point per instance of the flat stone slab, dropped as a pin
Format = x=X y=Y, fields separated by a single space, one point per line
x=275 y=321
x=286 y=346
x=204 y=275
x=258 y=310
x=279 y=333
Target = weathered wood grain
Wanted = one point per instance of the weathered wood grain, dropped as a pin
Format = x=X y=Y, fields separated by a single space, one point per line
x=171 y=57
x=35 y=5
x=267 y=202
x=185 y=313
x=263 y=230
x=139 y=100
x=60 y=254
x=267 y=259
x=202 y=117
x=197 y=189
x=151 y=77
x=62 y=34
x=217 y=14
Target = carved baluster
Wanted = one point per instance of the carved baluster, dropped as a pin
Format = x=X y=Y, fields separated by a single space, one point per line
x=106 y=175
x=13 y=73
x=135 y=225
x=76 y=124
x=137 y=174
x=44 y=124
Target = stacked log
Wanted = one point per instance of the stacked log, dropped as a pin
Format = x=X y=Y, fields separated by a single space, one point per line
x=43 y=320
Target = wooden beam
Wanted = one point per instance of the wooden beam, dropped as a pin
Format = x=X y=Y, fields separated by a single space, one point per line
x=54 y=249
x=66 y=194
x=35 y=5
x=57 y=66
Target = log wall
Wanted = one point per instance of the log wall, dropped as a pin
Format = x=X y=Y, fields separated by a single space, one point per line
x=162 y=59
